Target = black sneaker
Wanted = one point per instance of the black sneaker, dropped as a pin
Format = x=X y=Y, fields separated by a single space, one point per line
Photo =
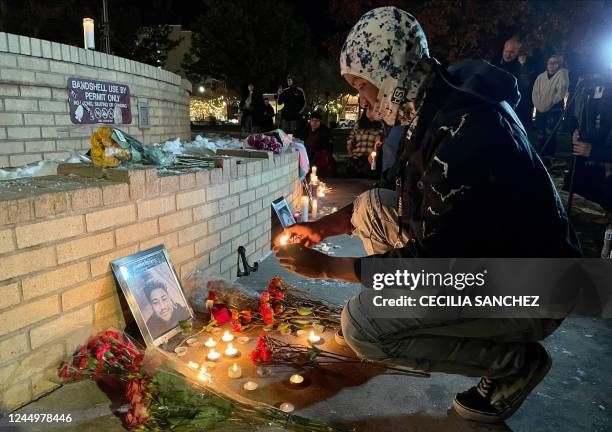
x=494 y=400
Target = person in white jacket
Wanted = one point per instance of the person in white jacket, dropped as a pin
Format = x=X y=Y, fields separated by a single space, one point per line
x=548 y=94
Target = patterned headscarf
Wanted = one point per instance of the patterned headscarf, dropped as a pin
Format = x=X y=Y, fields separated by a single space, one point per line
x=386 y=47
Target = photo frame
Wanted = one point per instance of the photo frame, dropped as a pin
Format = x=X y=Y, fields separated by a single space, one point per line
x=283 y=212
x=154 y=293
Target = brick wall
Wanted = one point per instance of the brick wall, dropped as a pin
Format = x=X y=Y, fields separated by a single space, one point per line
x=55 y=249
x=34 y=118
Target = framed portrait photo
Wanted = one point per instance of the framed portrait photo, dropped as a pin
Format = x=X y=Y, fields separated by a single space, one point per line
x=285 y=216
x=153 y=292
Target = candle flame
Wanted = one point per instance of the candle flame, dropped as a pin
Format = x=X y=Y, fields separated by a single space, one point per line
x=284 y=239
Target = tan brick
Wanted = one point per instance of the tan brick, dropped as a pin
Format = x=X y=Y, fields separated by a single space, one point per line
x=189 y=266
x=175 y=220
x=229 y=203
x=239 y=214
x=238 y=185
x=207 y=243
x=182 y=254
x=44 y=383
x=169 y=241
x=169 y=184
x=106 y=307
x=156 y=207
x=216 y=176
x=254 y=181
x=18 y=395
x=26 y=262
x=53 y=230
x=51 y=204
x=110 y=217
x=115 y=194
x=6 y=241
x=218 y=223
x=51 y=355
x=229 y=233
x=187 y=181
x=242 y=240
x=192 y=233
x=136 y=232
x=84 y=247
x=205 y=211
x=247 y=197
x=217 y=191
x=28 y=313
x=190 y=199
x=9 y=295
x=13 y=347
x=101 y=265
x=65 y=324
x=220 y=252
x=202 y=178
x=54 y=280
x=88 y=292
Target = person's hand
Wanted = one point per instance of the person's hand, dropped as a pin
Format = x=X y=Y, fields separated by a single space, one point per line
x=378 y=143
x=306 y=233
x=580 y=148
x=304 y=261
x=370 y=159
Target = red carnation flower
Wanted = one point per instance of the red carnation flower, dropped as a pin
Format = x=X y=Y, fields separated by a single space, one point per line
x=221 y=315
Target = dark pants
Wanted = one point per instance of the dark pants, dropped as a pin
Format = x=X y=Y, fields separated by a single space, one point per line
x=592 y=183
x=493 y=348
x=360 y=167
x=545 y=124
x=290 y=126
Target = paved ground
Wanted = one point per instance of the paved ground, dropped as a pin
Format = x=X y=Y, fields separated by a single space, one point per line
x=575 y=396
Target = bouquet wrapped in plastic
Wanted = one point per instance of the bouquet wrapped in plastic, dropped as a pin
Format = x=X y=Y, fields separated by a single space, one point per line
x=264 y=142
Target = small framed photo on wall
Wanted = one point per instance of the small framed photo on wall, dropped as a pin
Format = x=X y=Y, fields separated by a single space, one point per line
x=154 y=293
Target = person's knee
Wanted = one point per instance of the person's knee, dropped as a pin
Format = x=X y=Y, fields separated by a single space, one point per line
x=357 y=341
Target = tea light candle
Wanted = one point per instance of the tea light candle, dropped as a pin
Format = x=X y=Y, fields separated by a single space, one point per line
x=334 y=209
x=296 y=379
x=180 y=351
x=210 y=343
x=230 y=351
x=284 y=239
x=304 y=209
x=193 y=365
x=314 y=337
x=373 y=165
x=227 y=336
x=325 y=247
x=213 y=355
x=243 y=340
x=234 y=371
x=286 y=407
x=250 y=385
x=203 y=375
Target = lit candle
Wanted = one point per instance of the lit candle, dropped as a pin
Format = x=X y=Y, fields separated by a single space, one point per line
x=203 y=375
x=313 y=174
x=210 y=343
x=234 y=371
x=324 y=247
x=230 y=351
x=296 y=379
x=193 y=365
x=213 y=355
x=315 y=207
x=314 y=337
x=227 y=336
x=304 y=208
x=250 y=385
x=284 y=239
x=334 y=209
x=286 y=407
x=373 y=165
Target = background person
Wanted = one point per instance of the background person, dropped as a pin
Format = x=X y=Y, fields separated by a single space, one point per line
x=360 y=144
x=549 y=90
x=319 y=145
x=251 y=107
x=294 y=106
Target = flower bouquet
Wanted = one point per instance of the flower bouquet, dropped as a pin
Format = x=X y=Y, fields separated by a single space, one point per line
x=159 y=399
x=264 y=142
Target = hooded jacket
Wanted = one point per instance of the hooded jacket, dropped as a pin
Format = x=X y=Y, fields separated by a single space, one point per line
x=470 y=183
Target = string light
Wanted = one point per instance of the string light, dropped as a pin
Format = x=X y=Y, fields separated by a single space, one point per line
x=202 y=109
